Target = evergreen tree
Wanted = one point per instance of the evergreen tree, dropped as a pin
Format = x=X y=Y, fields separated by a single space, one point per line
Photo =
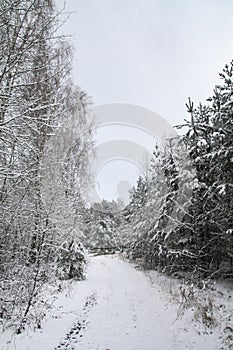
x=183 y=221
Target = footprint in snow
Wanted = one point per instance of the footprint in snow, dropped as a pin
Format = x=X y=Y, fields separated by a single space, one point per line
x=71 y=338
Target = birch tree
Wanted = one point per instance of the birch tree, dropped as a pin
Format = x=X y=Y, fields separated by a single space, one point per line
x=36 y=97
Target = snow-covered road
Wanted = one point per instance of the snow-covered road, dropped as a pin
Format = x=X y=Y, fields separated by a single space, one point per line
x=116 y=308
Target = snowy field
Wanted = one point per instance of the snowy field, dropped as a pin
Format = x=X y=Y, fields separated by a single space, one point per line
x=121 y=308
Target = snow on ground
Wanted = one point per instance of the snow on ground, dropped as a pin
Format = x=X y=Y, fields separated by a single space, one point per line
x=117 y=308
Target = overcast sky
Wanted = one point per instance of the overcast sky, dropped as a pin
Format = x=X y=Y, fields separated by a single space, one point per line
x=151 y=53
x=154 y=53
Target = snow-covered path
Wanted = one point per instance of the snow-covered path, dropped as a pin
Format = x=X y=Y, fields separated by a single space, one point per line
x=131 y=314
x=116 y=308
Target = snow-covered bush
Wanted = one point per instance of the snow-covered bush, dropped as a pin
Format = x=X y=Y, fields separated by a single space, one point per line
x=71 y=261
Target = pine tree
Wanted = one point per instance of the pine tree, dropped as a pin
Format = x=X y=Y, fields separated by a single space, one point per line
x=183 y=221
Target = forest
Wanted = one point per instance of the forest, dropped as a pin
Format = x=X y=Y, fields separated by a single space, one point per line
x=179 y=218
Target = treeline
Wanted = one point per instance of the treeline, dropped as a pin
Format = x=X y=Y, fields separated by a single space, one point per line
x=45 y=140
x=179 y=219
x=102 y=226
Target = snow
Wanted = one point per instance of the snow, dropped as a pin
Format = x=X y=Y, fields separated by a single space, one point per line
x=116 y=308
x=222 y=189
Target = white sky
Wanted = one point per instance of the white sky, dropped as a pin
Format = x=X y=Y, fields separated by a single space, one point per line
x=154 y=53
x=151 y=53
